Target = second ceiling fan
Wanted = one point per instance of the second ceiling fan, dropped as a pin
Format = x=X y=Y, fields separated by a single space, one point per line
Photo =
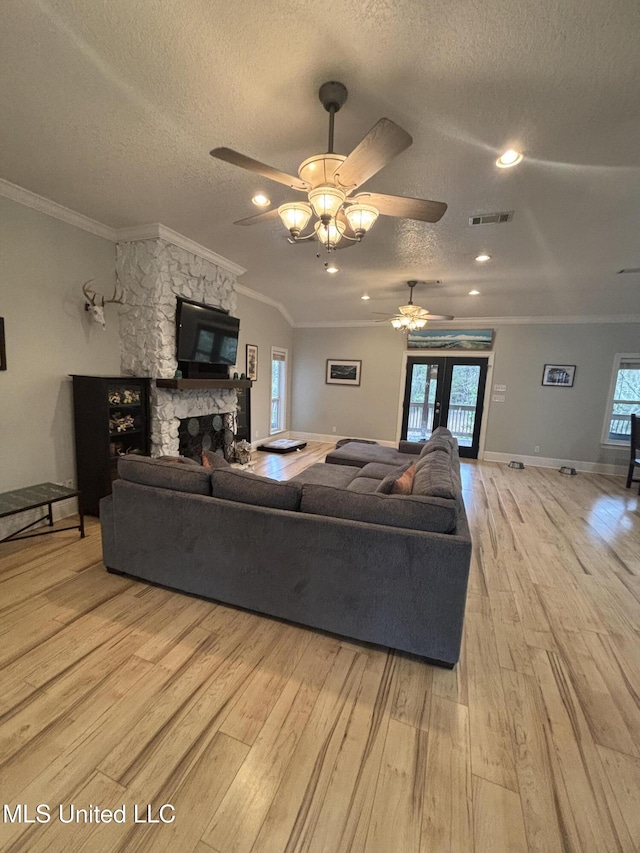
x=329 y=181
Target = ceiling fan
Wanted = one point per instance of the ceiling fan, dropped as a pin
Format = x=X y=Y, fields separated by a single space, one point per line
x=329 y=181
x=412 y=317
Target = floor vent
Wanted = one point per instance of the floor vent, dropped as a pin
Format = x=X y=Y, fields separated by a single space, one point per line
x=491 y=218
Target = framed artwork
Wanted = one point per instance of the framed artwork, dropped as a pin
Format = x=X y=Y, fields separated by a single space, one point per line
x=252 y=362
x=471 y=339
x=559 y=375
x=3 y=347
x=343 y=372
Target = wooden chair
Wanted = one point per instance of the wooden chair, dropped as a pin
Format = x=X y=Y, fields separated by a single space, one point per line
x=635 y=451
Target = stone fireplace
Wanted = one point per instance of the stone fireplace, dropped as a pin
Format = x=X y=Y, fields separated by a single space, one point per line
x=152 y=272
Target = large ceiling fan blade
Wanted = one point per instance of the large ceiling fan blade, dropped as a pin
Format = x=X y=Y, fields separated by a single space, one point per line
x=438 y=317
x=259 y=217
x=402 y=207
x=237 y=159
x=384 y=141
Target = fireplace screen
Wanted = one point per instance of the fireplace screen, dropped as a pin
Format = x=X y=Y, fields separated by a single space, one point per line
x=207 y=432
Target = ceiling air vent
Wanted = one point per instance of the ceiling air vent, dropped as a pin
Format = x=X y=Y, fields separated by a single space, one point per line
x=491 y=218
x=629 y=271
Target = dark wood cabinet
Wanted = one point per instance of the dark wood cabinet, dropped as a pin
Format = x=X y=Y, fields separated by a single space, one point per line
x=111 y=418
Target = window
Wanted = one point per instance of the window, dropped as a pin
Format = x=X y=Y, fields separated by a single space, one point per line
x=624 y=399
x=278 y=389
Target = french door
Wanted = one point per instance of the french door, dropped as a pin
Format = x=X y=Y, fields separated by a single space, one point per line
x=445 y=392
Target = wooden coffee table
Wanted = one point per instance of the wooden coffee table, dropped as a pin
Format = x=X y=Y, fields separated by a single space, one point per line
x=33 y=497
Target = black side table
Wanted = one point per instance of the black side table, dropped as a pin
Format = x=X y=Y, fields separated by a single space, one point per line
x=44 y=494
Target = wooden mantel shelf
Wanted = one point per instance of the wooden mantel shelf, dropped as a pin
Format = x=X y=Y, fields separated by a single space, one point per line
x=192 y=384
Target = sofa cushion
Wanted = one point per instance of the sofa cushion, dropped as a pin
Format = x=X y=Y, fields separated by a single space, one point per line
x=379 y=470
x=193 y=479
x=433 y=515
x=357 y=453
x=434 y=475
x=412 y=447
x=327 y=475
x=243 y=487
x=364 y=485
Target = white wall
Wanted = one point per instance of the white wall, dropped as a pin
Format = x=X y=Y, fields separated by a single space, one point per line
x=42 y=267
x=566 y=423
x=264 y=326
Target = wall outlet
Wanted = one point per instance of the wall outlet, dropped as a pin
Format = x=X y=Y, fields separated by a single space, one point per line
x=257 y=433
x=499 y=387
x=333 y=429
x=498 y=398
x=536 y=449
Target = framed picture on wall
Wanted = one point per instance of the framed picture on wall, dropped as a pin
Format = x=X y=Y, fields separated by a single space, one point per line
x=3 y=348
x=560 y=375
x=252 y=362
x=342 y=372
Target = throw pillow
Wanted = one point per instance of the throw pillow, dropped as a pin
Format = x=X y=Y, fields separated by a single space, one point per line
x=404 y=483
x=389 y=481
x=214 y=460
x=180 y=460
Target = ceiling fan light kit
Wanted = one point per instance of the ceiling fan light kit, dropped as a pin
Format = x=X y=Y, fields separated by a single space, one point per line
x=330 y=179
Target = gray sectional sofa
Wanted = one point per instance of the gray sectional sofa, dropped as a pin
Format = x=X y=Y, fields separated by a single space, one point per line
x=331 y=548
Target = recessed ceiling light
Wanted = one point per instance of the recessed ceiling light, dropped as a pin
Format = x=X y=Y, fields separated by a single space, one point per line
x=508 y=159
x=483 y=257
x=261 y=200
x=474 y=293
x=365 y=297
x=331 y=268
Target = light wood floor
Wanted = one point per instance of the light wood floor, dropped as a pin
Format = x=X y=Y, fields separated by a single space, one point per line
x=268 y=737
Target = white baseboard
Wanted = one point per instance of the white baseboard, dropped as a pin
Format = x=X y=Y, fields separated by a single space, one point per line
x=332 y=438
x=546 y=462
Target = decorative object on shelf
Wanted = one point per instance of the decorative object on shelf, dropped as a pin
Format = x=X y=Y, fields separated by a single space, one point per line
x=328 y=180
x=130 y=397
x=343 y=372
x=95 y=303
x=3 y=346
x=252 y=362
x=559 y=375
x=235 y=375
x=466 y=339
x=121 y=423
x=177 y=374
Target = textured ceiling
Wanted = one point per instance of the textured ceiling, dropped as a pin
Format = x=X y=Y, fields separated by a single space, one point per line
x=110 y=107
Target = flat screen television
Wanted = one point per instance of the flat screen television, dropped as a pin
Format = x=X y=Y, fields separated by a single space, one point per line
x=206 y=338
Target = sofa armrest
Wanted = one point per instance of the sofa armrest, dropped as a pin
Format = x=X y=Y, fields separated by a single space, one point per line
x=413 y=447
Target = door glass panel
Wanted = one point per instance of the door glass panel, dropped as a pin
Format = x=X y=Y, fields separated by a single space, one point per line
x=424 y=381
x=462 y=402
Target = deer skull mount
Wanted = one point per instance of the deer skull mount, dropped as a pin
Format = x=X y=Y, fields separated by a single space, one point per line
x=95 y=303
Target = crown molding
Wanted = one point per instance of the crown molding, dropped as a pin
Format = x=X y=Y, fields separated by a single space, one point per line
x=157 y=231
x=55 y=210
x=267 y=300
x=481 y=322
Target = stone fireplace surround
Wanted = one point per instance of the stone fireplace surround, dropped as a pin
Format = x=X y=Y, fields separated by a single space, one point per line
x=152 y=272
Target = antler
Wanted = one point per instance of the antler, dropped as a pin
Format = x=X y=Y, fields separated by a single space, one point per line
x=89 y=292
x=91 y=295
x=119 y=301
